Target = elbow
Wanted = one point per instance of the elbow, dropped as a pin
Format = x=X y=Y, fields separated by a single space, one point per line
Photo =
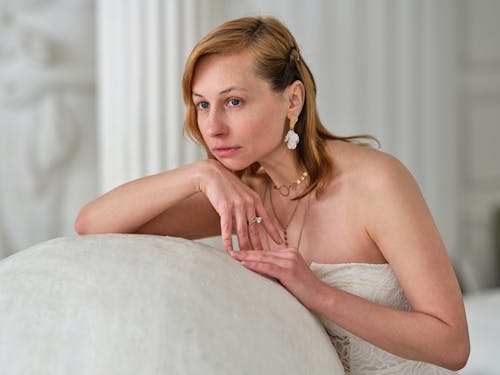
x=93 y=221
x=83 y=223
x=459 y=356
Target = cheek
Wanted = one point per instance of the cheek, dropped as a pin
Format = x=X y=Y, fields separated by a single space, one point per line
x=271 y=127
x=265 y=131
x=200 y=123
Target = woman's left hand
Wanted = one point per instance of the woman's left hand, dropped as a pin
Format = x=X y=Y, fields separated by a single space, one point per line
x=289 y=268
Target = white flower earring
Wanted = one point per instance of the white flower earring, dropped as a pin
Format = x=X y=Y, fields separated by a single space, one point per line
x=292 y=138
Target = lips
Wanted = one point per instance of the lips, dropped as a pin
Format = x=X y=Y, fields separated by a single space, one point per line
x=225 y=151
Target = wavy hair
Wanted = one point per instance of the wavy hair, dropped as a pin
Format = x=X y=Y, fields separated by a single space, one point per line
x=277 y=59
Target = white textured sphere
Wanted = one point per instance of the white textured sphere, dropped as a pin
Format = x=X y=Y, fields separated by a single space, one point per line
x=134 y=304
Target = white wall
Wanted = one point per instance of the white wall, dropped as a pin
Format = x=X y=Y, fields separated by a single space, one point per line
x=478 y=127
x=47 y=118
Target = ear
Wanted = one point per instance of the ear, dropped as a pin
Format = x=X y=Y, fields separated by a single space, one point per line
x=295 y=94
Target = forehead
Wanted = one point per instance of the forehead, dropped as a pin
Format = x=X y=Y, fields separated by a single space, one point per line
x=220 y=71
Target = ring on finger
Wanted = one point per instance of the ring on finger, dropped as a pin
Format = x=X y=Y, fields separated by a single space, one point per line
x=255 y=220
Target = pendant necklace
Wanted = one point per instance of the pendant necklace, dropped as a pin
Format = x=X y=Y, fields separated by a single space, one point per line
x=285 y=227
x=287 y=223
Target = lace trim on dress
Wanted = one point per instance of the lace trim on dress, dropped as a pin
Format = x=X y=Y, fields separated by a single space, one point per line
x=341 y=345
x=376 y=283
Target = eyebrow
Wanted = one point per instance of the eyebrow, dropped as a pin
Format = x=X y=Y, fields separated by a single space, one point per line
x=225 y=91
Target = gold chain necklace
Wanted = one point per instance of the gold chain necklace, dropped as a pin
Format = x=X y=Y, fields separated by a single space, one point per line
x=284 y=190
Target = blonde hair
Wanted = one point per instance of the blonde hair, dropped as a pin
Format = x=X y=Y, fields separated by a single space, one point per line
x=277 y=59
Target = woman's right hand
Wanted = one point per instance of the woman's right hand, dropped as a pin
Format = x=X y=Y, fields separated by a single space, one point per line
x=236 y=204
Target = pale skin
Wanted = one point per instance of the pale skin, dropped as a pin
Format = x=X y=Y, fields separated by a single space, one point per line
x=371 y=212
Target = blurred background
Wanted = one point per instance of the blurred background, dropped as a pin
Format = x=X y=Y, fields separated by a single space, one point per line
x=90 y=98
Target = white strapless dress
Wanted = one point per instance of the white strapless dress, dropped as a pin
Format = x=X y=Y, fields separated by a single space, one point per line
x=376 y=283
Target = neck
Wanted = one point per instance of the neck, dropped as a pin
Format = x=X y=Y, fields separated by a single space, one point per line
x=284 y=169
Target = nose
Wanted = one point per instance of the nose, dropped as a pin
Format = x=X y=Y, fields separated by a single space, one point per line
x=215 y=124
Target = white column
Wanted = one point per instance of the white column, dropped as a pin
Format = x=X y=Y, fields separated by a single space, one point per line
x=142 y=48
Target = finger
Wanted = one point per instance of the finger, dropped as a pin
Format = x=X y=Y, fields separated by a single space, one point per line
x=274 y=257
x=255 y=237
x=253 y=232
x=268 y=269
x=269 y=226
x=226 y=227
x=242 y=230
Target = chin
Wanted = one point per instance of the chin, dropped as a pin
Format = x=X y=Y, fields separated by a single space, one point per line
x=234 y=165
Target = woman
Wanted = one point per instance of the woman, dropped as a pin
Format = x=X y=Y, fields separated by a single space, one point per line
x=342 y=226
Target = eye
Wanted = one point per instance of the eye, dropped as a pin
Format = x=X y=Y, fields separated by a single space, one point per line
x=234 y=102
x=202 y=105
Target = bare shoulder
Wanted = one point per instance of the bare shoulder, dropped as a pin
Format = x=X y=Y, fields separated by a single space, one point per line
x=382 y=190
x=389 y=201
x=369 y=170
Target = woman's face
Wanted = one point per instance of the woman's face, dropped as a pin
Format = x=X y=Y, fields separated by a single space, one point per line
x=240 y=118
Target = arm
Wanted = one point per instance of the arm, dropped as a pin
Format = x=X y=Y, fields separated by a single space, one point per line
x=194 y=201
x=141 y=206
x=400 y=223
x=401 y=226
